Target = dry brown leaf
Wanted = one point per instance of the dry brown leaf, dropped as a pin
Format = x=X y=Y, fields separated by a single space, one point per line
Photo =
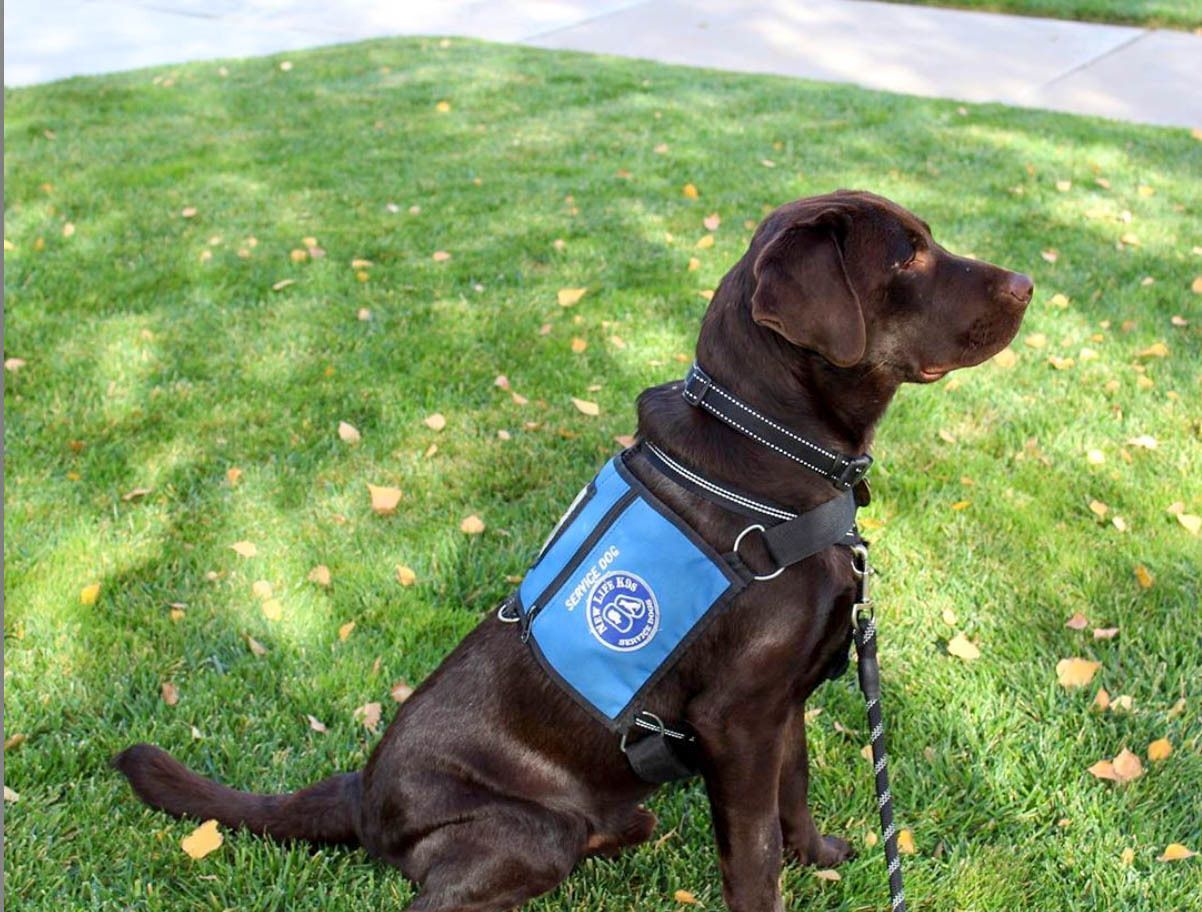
x=369 y=715
x=694 y=264
x=946 y=436
x=1098 y=509
x=435 y=422
x=1175 y=851
x=1177 y=709
x=1121 y=703
x=684 y=896
x=1077 y=622
x=1127 y=857
x=472 y=525
x=712 y=221
x=569 y=296
x=624 y=440
x=586 y=408
x=1036 y=340
x=262 y=589
x=960 y=647
x=348 y=433
x=400 y=691
x=282 y=284
x=705 y=242
x=502 y=382
x=1061 y=364
x=440 y=256
x=1051 y=255
x=405 y=575
x=1155 y=350
x=1105 y=633
x=233 y=475
x=1103 y=769
x=316 y=724
x=828 y=874
x=273 y=609
x=905 y=842
x=89 y=594
x=1160 y=749
x=188 y=212
x=202 y=840
x=1101 y=700
x=949 y=617
x=255 y=646
x=244 y=548
x=14 y=741
x=1076 y=672
x=578 y=345
x=518 y=398
x=320 y=575
x=14 y=364
x=170 y=693
x=1127 y=766
x=690 y=191
x=1196 y=285
x=1146 y=579
x=345 y=630
x=135 y=493
x=384 y=499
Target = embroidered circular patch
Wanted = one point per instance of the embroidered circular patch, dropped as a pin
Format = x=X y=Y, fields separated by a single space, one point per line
x=623 y=613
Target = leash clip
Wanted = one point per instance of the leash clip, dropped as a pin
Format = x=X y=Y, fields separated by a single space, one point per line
x=862 y=611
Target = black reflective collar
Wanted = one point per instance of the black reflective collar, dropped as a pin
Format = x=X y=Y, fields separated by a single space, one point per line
x=844 y=472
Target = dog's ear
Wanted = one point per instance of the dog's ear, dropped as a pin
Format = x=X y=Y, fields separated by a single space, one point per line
x=802 y=290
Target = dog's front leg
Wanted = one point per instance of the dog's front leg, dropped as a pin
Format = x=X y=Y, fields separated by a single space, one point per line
x=741 y=764
x=801 y=836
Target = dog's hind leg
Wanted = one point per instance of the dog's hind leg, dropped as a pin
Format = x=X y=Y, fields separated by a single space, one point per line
x=497 y=861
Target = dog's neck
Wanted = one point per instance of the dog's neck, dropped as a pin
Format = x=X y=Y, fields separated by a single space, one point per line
x=837 y=408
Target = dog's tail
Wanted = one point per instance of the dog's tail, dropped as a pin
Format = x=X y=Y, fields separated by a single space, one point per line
x=324 y=812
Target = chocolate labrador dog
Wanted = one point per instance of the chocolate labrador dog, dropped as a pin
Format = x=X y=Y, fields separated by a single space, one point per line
x=491 y=783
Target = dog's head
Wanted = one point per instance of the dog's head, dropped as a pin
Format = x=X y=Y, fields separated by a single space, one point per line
x=861 y=281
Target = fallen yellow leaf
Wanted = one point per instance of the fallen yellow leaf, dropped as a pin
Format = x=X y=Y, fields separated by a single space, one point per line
x=1160 y=749
x=244 y=548
x=320 y=575
x=273 y=609
x=233 y=475
x=694 y=264
x=435 y=422
x=960 y=647
x=829 y=874
x=962 y=505
x=1098 y=509
x=345 y=630
x=1077 y=622
x=684 y=896
x=384 y=499
x=578 y=345
x=1036 y=340
x=255 y=646
x=569 y=296
x=261 y=589
x=1146 y=579
x=400 y=692
x=170 y=693
x=1105 y=633
x=905 y=842
x=1127 y=857
x=585 y=407
x=1005 y=358
x=472 y=525
x=1155 y=350
x=440 y=256
x=712 y=221
x=1076 y=672
x=690 y=191
x=705 y=242
x=1102 y=700
x=1191 y=522
x=316 y=724
x=202 y=840
x=443 y=107
x=405 y=575
x=89 y=594
x=1103 y=769
x=1175 y=851
x=348 y=433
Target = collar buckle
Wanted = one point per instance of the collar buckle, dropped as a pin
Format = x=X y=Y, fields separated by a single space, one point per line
x=696 y=385
x=851 y=472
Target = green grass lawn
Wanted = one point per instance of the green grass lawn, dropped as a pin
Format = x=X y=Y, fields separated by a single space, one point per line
x=1180 y=14
x=158 y=356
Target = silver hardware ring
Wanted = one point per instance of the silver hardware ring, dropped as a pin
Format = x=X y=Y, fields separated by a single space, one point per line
x=739 y=540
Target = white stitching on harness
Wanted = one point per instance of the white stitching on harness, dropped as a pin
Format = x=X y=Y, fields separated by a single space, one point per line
x=754 y=436
x=710 y=486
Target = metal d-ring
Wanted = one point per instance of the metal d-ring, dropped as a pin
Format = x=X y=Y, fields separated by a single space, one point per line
x=505 y=618
x=762 y=531
x=661 y=730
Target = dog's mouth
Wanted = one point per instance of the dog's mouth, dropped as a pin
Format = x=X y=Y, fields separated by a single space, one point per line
x=931 y=374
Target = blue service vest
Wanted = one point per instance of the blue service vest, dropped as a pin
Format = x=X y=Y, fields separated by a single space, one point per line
x=618 y=592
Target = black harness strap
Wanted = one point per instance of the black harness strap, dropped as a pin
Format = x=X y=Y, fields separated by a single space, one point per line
x=842 y=471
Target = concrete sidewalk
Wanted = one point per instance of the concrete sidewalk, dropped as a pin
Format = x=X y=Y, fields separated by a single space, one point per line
x=1134 y=74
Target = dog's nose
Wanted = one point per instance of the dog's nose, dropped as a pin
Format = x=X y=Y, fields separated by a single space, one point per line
x=1020 y=287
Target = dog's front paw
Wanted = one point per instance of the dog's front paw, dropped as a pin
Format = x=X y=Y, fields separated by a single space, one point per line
x=823 y=851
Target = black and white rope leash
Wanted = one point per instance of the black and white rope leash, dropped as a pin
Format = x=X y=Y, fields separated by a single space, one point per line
x=864 y=629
